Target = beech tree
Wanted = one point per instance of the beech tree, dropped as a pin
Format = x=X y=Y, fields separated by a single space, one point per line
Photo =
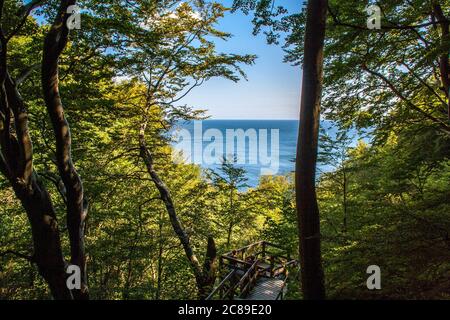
x=307 y=148
x=334 y=154
x=309 y=43
x=16 y=158
x=181 y=57
x=148 y=228
x=229 y=179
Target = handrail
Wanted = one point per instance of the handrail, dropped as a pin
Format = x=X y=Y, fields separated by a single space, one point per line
x=246 y=275
x=221 y=284
x=239 y=284
x=287 y=264
x=249 y=274
x=278 y=260
x=236 y=260
x=281 y=294
x=273 y=245
x=278 y=256
x=270 y=244
x=244 y=248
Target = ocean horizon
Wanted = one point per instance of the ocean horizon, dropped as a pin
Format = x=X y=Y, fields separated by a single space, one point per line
x=283 y=159
x=282 y=133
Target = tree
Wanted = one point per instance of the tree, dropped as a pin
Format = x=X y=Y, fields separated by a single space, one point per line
x=181 y=58
x=228 y=180
x=392 y=77
x=334 y=154
x=307 y=207
x=278 y=204
x=400 y=220
x=307 y=37
x=16 y=160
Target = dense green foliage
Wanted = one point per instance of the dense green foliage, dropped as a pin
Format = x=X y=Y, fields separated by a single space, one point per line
x=383 y=201
x=108 y=76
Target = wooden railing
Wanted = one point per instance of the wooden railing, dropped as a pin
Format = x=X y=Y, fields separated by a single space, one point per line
x=219 y=289
x=248 y=281
x=281 y=293
x=240 y=269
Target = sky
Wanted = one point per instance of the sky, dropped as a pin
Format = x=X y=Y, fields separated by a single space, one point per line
x=273 y=87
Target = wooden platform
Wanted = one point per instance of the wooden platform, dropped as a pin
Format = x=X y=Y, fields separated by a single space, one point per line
x=266 y=289
x=258 y=271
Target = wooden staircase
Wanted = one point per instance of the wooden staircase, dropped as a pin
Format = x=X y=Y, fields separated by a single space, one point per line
x=255 y=272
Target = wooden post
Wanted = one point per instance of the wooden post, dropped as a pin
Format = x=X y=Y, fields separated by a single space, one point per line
x=272 y=264
x=221 y=276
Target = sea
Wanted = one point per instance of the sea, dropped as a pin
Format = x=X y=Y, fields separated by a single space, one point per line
x=261 y=147
x=269 y=148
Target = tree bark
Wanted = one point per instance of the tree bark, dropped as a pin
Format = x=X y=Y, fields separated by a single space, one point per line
x=77 y=206
x=444 y=64
x=229 y=232
x=46 y=238
x=344 y=203
x=203 y=275
x=312 y=278
x=160 y=258
x=16 y=164
x=209 y=269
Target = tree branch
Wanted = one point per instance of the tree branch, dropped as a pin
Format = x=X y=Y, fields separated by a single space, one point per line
x=25 y=157
x=25 y=11
x=435 y=120
x=26 y=73
x=338 y=22
x=422 y=81
x=17 y=254
x=77 y=206
x=444 y=64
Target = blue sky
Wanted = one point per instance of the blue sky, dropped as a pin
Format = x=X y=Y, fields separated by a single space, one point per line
x=273 y=87
x=272 y=90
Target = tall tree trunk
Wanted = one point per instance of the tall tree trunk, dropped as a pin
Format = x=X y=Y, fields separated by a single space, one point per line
x=312 y=279
x=45 y=234
x=205 y=275
x=160 y=266
x=209 y=269
x=16 y=164
x=232 y=215
x=229 y=232
x=344 y=202
x=55 y=42
x=444 y=64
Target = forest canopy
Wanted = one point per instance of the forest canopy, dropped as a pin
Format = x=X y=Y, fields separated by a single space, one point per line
x=87 y=176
